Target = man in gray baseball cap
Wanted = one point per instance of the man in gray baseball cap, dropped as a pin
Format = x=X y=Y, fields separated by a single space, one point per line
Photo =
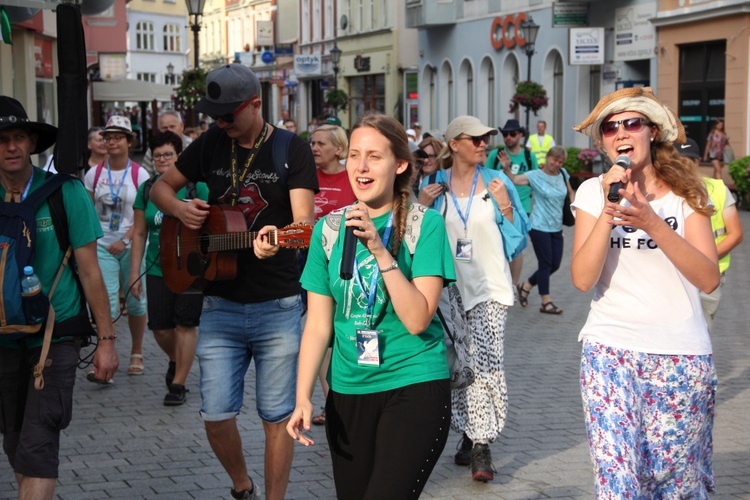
x=256 y=315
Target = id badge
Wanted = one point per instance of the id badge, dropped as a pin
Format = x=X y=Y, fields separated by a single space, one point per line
x=463 y=249
x=114 y=221
x=368 y=349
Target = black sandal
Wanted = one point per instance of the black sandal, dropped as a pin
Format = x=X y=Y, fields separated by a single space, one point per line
x=550 y=308
x=523 y=295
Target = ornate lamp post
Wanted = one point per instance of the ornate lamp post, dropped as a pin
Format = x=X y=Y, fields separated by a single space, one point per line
x=170 y=73
x=335 y=59
x=195 y=9
x=530 y=30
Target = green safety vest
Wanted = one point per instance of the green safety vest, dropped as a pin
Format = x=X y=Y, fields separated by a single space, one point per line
x=540 y=150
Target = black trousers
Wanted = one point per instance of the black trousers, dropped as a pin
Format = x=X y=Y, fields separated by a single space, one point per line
x=385 y=445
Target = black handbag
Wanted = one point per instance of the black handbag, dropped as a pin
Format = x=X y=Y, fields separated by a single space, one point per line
x=568 y=219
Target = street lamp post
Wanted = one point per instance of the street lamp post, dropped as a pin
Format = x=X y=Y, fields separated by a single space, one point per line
x=530 y=30
x=335 y=58
x=195 y=9
x=170 y=73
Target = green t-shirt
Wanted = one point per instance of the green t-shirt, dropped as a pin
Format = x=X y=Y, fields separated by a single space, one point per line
x=405 y=359
x=84 y=227
x=154 y=218
x=518 y=165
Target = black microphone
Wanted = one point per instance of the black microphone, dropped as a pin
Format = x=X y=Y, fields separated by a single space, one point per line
x=346 y=271
x=624 y=162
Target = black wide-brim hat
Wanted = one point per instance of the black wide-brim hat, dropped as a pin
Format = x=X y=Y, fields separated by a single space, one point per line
x=12 y=115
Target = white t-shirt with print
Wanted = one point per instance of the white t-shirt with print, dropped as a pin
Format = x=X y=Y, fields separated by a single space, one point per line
x=103 y=201
x=641 y=301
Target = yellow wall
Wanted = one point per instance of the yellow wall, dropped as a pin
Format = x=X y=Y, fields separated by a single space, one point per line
x=176 y=8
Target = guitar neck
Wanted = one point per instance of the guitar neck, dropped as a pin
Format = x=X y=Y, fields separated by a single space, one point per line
x=228 y=242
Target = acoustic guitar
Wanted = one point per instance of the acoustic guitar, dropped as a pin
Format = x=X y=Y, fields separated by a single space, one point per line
x=193 y=259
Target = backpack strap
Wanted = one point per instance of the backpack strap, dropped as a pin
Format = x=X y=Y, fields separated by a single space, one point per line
x=192 y=191
x=333 y=225
x=280 y=152
x=147 y=189
x=134 y=173
x=97 y=174
x=527 y=154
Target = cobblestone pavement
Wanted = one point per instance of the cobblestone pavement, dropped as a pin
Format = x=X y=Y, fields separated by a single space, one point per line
x=123 y=443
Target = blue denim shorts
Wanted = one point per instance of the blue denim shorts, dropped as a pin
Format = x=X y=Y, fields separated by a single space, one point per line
x=231 y=334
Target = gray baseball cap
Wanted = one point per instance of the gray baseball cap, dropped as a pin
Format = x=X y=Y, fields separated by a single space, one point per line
x=226 y=88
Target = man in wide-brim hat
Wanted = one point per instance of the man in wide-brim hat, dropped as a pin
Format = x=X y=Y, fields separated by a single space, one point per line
x=31 y=444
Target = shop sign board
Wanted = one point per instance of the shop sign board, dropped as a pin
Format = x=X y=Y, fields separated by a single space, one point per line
x=307 y=65
x=635 y=34
x=568 y=15
x=586 y=46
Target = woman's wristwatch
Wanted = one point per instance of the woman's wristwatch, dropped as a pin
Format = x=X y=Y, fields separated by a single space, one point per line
x=389 y=268
x=125 y=240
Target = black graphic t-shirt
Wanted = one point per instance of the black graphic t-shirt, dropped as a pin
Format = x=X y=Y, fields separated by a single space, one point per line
x=264 y=200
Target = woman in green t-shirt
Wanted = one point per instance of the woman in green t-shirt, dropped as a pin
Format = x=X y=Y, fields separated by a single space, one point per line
x=388 y=408
x=173 y=318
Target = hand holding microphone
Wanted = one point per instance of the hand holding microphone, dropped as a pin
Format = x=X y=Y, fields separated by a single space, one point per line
x=623 y=161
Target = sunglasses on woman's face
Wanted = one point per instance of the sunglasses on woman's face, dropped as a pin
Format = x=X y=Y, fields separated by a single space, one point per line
x=629 y=124
x=477 y=141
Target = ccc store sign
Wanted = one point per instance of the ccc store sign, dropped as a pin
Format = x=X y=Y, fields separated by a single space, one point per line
x=506 y=31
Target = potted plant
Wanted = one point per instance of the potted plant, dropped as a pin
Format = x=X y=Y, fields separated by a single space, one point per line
x=191 y=89
x=587 y=157
x=529 y=95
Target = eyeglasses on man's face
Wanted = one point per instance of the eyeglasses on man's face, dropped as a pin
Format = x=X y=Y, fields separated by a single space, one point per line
x=631 y=125
x=229 y=117
x=114 y=137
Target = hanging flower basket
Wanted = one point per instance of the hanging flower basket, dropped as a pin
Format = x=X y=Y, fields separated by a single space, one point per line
x=529 y=95
x=191 y=89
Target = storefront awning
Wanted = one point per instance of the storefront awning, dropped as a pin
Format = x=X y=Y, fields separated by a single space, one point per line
x=131 y=91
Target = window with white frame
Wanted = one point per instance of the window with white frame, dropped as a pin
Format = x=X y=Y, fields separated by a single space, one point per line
x=329 y=23
x=144 y=36
x=171 y=38
x=317 y=21
x=305 y=22
x=146 y=77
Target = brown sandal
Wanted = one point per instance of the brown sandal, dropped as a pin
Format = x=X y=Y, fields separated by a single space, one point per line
x=550 y=308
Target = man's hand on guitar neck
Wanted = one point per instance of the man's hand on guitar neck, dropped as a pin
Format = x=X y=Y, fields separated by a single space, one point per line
x=262 y=246
x=192 y=213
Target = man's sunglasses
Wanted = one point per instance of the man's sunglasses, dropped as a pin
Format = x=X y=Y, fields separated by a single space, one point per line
x=477 y=141
x=629 y=124
x=229 y=117
x=511 y=133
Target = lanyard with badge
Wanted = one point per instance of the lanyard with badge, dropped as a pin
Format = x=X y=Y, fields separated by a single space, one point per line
x=368 y=349
x=463 y=245
x=250 y=158
x=116 y=217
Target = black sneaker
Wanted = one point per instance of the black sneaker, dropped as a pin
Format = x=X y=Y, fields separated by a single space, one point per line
x=169 y=377
x=176 y=395
x=251 y=494
x=481 y=463
x=463 y=455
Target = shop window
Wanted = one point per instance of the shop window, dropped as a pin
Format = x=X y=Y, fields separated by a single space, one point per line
x=366 y=93
x=702 y=87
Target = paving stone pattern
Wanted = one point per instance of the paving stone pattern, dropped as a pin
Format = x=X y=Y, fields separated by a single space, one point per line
x=123 y=443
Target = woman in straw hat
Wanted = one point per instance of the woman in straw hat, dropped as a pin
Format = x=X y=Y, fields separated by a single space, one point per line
x=647 y=372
